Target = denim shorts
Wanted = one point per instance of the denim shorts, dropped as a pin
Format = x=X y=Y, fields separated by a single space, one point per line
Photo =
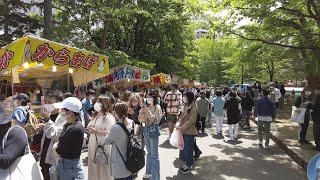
x=70 y=169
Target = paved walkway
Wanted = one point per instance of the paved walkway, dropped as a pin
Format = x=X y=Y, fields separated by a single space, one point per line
x=223 y=159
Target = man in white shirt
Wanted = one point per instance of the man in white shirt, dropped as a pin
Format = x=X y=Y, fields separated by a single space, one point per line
x=275 y=94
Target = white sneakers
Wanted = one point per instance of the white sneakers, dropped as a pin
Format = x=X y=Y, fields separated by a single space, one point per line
x=147 y=176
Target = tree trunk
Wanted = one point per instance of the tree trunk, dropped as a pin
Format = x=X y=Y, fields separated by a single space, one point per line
x=47 y=10
x=104 y=35
x=6 y=21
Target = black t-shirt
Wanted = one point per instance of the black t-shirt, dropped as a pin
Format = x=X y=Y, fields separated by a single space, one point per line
x=71 y=140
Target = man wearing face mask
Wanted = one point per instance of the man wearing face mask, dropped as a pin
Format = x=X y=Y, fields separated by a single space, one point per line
x=54 y=121
x=203 y=109
x=86 y=104
x=20 y=113
x=304 y=101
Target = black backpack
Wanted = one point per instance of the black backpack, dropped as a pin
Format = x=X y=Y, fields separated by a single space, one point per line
x=135 y=152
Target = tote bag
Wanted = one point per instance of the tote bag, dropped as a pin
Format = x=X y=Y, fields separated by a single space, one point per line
x=297 y=114
x=23 y=168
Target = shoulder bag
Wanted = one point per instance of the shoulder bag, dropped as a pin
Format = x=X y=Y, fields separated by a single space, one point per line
x=23 y=168
x=100 y=156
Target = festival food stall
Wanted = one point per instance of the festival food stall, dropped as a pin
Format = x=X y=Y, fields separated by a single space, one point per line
x=126 y=76
x=157 y=80
x=32 y=58
x=193 y=83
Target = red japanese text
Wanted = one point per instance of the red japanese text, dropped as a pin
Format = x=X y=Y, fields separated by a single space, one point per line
x=42 y=52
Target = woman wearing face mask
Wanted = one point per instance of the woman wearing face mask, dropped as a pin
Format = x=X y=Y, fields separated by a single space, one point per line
x=304 y=100
x=188 y=129
x=134 y=107
x=70 y=141
x=150 y=114
x=99 y=127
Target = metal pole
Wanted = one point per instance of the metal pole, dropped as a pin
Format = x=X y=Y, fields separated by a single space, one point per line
x=68 y=82
x=86 y=81
x=12 y=85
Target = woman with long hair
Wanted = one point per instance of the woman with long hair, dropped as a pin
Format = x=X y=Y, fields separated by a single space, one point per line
x=98 y=128
x=188 y=129
x=119 y=140
x=135 y=104
x=150 y=115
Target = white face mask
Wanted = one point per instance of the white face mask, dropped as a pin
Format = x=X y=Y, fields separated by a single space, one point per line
x=185 y=100
x=97 y=107
x=48 y=108
x=63 y=114
x=149 y=100
x=307 y=93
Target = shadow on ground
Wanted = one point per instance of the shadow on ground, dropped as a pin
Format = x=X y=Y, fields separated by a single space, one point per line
x=251 y=158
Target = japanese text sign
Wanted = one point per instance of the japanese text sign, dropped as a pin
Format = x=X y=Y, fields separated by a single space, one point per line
x=31 y=49
x=127 y=73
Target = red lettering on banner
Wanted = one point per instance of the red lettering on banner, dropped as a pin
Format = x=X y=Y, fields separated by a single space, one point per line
x=77 y=60
x=42 y=52
x=62 y=57
x=90 y=60
x=5 y=58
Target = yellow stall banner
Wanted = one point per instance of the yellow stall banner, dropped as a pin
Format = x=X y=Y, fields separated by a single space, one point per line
x=37 y=50
x=159 y=80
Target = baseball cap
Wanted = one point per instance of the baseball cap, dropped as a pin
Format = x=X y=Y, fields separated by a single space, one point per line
x=4 y=118
x=71 y=103
x=22 y=96
x=313 y=170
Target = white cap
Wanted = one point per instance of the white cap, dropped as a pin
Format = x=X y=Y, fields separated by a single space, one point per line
x=71 y=103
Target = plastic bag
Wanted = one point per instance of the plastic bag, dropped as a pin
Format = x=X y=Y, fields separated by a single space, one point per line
x=273 y=127
x=176 y=139
x=298 y=114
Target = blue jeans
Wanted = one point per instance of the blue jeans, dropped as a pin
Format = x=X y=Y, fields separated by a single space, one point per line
x=186 y=155
x=127 y=178
x=153 y=163
x=209 y=115
x=70 y=169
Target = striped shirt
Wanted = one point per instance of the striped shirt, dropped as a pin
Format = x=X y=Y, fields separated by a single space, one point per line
x=173 y=99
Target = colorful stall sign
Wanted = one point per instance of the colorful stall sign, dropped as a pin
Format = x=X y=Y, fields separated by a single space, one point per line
x=32 y=49
x=127 y=72
x=159 y=79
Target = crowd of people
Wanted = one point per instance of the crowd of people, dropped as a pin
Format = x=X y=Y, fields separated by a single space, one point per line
x=106 y=122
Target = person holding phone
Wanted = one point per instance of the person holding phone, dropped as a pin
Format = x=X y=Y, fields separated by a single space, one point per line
x=149 y=115
x=135 y=105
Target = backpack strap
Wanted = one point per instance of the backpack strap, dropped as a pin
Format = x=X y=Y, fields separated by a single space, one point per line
x=5 y=138
x=124 y=128
x=121 y=124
